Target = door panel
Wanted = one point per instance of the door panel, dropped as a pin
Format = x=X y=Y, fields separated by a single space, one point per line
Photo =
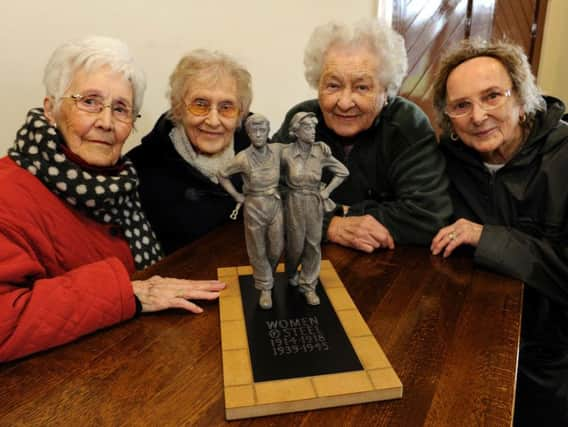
x=431 y=26
x=428 y=31
x=482 y=13
x=513 y=20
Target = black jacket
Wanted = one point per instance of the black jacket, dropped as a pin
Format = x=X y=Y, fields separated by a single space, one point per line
x=181 y=203
x=396 y=170
x=524 y=210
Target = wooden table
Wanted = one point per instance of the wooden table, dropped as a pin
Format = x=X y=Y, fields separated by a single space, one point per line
x=450 y=331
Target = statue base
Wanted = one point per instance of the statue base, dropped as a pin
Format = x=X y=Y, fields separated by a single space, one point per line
x=296 y=357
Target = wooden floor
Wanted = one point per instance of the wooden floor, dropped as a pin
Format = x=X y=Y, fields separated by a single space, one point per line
x=246 y=398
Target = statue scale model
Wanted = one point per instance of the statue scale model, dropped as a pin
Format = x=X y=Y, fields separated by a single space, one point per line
x=302 y=163
x=259 y=166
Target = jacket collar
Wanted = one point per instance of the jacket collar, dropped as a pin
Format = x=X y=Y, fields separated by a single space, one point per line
x=297 y=152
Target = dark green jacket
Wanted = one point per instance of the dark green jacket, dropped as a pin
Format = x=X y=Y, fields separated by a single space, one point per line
x=396 y=170
x=524 y=210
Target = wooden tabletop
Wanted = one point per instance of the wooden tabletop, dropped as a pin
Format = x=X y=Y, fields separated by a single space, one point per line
x=451 y=332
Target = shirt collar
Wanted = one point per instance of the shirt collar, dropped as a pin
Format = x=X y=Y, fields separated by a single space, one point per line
x=297 y=152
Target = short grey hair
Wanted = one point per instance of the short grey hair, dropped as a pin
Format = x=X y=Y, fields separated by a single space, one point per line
x=297 y=120
x=386 y=43
x=513 y=59
x=256 y=118
x=89 y=54
x=201 y=64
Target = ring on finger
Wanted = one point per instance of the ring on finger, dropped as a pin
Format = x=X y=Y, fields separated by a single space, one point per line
x=452 y=235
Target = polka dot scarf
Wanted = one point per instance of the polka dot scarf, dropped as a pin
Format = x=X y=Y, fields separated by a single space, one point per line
x=109 y=199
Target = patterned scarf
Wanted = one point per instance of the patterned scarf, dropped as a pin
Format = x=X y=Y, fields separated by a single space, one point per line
x=208 y=165
x=109 y=199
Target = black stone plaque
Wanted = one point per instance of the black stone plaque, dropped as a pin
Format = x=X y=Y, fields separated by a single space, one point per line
x=294 y=339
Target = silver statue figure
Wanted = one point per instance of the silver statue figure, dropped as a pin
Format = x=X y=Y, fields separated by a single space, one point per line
x=307 y=197
x=259 y=166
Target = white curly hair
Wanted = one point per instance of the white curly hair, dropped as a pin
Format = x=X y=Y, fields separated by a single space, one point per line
x=385 y=42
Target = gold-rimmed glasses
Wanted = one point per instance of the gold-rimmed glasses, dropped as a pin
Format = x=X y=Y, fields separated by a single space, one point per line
x=202 y=107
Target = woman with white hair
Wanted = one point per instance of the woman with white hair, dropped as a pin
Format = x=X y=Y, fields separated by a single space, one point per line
x=72 y=230
x=210 y=94
x=397 y=187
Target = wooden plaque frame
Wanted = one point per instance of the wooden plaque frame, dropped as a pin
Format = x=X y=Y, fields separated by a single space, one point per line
x=245 y=398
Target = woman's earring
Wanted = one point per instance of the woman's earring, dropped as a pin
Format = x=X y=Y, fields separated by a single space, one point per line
x=453 y=136
x=523 y=118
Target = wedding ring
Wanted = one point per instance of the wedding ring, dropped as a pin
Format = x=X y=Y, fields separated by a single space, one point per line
x=452 y=235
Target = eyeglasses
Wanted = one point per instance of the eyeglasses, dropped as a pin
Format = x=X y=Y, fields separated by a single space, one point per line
x=95 y=104
x=490 y=101
x=202 y=107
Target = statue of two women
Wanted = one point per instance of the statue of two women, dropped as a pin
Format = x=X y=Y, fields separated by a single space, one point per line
x=264 y=167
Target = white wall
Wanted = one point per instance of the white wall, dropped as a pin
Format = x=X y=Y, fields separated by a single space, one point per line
x=553 y=57
x=267 y=36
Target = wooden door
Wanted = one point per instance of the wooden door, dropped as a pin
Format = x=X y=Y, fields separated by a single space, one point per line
x=521 y=21
x=431 y=26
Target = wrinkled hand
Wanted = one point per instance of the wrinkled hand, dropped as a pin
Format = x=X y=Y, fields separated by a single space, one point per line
x=160 y=293
x=461 y=232
x=364 y=233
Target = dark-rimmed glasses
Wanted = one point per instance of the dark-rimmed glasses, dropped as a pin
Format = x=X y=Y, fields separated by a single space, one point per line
x=490 y=101
x=95 y=104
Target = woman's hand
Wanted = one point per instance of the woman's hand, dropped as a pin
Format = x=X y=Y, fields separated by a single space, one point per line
x=364 y=233
x=461 y=232
x=160 y=293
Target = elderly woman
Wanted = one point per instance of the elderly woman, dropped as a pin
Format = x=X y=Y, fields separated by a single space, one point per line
x=178 y=160
x=71 y=227
x=507 y=151
x=397 y=187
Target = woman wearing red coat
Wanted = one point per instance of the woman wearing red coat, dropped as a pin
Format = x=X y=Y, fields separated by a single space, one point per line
x=71 y=227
